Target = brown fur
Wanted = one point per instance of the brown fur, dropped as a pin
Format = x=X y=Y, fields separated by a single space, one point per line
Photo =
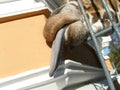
x=69 y=15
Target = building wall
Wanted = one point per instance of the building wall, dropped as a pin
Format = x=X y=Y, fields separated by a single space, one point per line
x=22 y=46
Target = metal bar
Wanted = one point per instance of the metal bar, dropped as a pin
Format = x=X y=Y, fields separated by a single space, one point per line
x=114 y=68
x=111 y=18
x=97 y=47
x=104 y=31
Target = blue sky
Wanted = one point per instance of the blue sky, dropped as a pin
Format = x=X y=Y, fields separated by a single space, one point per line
x=107 y=49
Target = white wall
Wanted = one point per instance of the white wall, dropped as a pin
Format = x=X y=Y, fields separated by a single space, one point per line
x=19 y=6
x=5 y=1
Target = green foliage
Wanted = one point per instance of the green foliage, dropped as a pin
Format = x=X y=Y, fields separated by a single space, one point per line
x=115 y=55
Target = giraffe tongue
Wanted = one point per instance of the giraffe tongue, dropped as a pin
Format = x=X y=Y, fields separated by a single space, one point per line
x=56 y=51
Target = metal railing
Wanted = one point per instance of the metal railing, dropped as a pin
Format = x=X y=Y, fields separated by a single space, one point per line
x=94 y=36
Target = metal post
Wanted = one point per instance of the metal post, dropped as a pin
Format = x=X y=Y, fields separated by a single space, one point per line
x=97 y=47
x=111 y=18
x=115 y=68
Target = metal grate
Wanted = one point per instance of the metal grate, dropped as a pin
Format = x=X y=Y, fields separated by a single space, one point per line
x=94 y=36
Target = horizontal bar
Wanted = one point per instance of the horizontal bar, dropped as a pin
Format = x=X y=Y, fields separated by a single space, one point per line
x=104 y=31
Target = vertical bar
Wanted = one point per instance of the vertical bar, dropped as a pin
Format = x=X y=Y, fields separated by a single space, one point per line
x=111 y=18
x=97 y=47
x=114 y=68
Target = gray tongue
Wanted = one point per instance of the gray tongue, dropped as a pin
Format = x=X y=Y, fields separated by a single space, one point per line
x=56 y=51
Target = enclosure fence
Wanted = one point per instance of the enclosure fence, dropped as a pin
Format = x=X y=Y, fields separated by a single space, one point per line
x=94 y=38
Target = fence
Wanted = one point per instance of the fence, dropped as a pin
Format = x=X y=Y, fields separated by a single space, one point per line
x=93 y=37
